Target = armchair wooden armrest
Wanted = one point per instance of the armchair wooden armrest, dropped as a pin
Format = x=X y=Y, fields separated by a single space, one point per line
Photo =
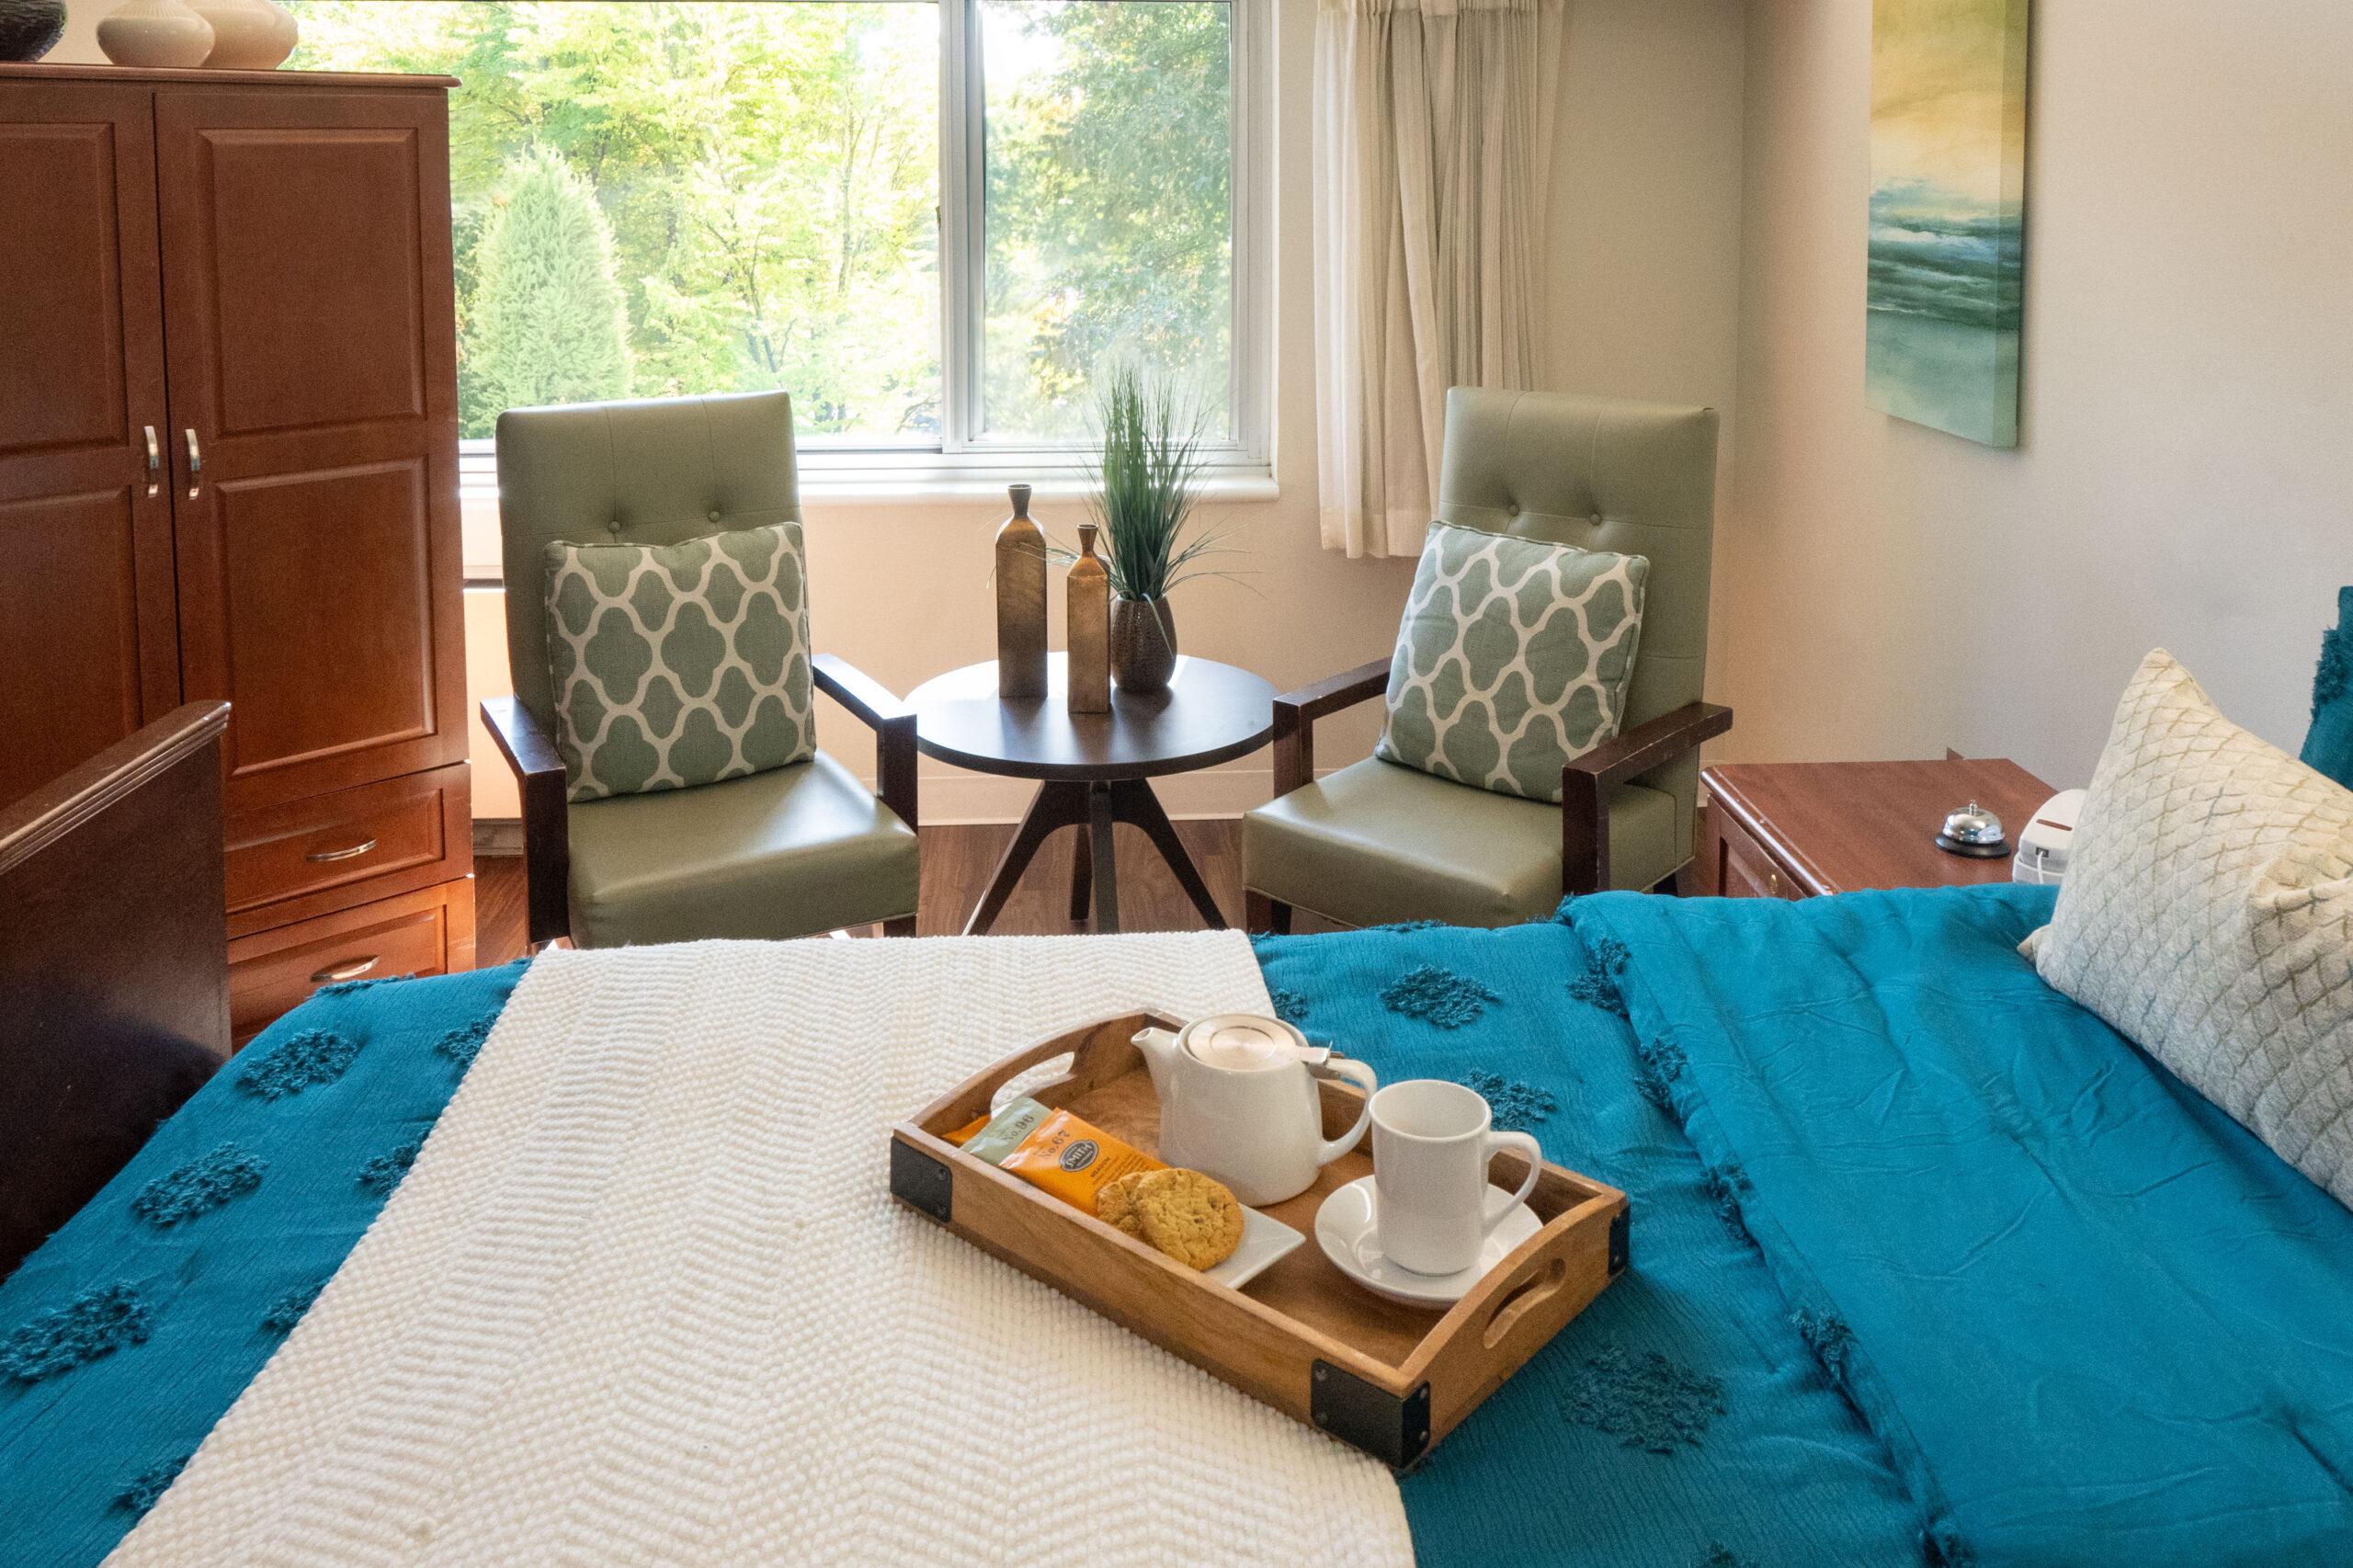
x=1586 y=781
x=1296 y=712
x=531 y=752
x=893 y=721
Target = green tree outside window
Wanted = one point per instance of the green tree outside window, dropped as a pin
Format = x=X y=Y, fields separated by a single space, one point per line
x=735 y=195
x=547 y=324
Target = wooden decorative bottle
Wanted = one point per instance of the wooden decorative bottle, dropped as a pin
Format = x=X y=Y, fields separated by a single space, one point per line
x=1020 y=601
x=1089 y=627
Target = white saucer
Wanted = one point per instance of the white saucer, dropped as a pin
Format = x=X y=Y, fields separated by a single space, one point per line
x=1348 y=1227
x=1263 y=1241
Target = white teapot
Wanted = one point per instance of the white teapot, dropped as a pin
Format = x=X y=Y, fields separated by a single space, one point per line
x=1238 y=1101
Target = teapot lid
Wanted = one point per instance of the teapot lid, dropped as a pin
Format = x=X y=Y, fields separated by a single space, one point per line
x=1243 y=1044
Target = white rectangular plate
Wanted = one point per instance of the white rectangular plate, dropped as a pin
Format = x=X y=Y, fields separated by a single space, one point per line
x=1263 y=1241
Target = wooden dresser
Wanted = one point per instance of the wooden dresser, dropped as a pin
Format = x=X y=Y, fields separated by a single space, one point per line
x=229 y=470
x=1798 y=829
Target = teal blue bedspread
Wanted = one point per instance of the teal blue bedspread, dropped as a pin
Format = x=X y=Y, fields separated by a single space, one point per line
x=1681 y=1421
x=125 y=1337
x=1940 y=1270
x=2093 y=1319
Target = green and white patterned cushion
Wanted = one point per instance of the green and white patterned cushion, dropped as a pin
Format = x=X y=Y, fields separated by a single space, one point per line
x=679 y=664
x=1513 y=658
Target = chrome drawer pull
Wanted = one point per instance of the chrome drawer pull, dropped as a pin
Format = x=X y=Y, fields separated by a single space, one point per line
x=195 y=465
x=320 y=857
x=154 y=461
x=351 y=971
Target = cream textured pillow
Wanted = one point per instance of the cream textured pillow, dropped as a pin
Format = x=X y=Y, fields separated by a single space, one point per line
x=2208 y=915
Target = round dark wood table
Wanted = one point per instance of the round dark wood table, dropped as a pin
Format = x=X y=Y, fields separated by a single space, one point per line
x=1092 y=768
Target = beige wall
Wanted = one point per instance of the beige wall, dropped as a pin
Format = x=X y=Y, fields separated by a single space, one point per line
x=2185 y=476
x=80 y=44
x=1646 y=227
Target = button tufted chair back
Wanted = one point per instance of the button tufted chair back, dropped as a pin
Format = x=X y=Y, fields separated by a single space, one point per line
x=1602 y=474
x=648 y=472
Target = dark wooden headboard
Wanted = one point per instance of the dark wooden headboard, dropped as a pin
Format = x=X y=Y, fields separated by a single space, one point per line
x=114 y=964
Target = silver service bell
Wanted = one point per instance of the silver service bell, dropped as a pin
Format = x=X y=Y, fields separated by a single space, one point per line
x=1972 y=831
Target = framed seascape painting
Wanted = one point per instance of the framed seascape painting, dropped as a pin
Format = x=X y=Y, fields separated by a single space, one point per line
x=1947 y=262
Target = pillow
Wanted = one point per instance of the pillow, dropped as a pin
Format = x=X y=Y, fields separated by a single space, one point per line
x=679 y=664
x=2328 y=745
x=1513 y=658
x=2208 y=915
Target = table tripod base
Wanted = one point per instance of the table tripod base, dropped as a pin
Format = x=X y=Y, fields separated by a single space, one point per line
x=1093 y=809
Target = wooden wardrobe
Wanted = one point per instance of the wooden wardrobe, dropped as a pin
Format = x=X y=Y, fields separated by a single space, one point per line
x=228 y=469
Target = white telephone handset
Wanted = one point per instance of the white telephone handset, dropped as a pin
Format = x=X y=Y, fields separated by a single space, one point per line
x=2042 y=846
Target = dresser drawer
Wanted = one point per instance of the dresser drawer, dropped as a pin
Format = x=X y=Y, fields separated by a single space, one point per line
x=323 y=853
x=1743 y=867
x=428 y=931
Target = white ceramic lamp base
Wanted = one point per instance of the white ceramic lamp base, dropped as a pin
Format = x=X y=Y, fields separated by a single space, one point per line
x=248 y=35
x=155 y=34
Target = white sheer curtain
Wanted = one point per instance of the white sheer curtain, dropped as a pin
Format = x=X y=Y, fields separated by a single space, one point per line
x=1433 y=158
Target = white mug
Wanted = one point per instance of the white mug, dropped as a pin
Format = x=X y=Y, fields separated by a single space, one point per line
x=1431 y=1142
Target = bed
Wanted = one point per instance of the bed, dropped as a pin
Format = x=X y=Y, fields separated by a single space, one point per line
x=593 y=1259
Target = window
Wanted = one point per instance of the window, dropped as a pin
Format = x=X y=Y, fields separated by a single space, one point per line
x=933 y=222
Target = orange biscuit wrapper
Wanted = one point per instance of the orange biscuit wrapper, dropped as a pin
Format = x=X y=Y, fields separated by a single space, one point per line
x=1058 y=1153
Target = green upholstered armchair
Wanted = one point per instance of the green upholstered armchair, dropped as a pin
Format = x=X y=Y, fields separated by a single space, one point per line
x=791 y=852
x=1377 y=842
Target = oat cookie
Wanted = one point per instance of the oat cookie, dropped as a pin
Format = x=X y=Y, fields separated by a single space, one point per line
x=1194 y=1219
x=1115 y=1205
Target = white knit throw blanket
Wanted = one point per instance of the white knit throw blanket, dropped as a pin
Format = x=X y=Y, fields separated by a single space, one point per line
x=645 y=1298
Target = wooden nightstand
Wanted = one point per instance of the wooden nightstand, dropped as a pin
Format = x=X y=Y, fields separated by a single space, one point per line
x=1794 y=829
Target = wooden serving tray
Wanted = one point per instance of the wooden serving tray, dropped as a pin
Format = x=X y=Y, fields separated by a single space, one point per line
x=1302 y=1337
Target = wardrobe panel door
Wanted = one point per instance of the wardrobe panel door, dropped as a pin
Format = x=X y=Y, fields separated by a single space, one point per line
x=325 y=621
x=87 y=645
x=306 y=246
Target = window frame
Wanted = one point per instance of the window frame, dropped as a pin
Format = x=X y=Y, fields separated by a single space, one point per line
x=960 y=457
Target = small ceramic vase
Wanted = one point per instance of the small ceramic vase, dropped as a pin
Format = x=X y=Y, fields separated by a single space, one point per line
x=155 y=34
x=248 y=35
x=1143 y=644
x=31 y=28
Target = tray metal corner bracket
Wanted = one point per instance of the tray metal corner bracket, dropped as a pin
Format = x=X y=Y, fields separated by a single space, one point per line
x=922 y=1182
x=1393 y=1430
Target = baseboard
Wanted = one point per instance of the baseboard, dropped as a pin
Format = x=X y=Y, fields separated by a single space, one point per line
x=498 y=835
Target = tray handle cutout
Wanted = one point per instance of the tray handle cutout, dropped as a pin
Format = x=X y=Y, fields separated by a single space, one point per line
x=1047 y=1077
x=1524 y=1298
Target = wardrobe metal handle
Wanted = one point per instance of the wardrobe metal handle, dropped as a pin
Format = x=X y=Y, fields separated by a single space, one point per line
x=320 y=857
x=195 y=465
x=351 y=971
x=154 y=461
